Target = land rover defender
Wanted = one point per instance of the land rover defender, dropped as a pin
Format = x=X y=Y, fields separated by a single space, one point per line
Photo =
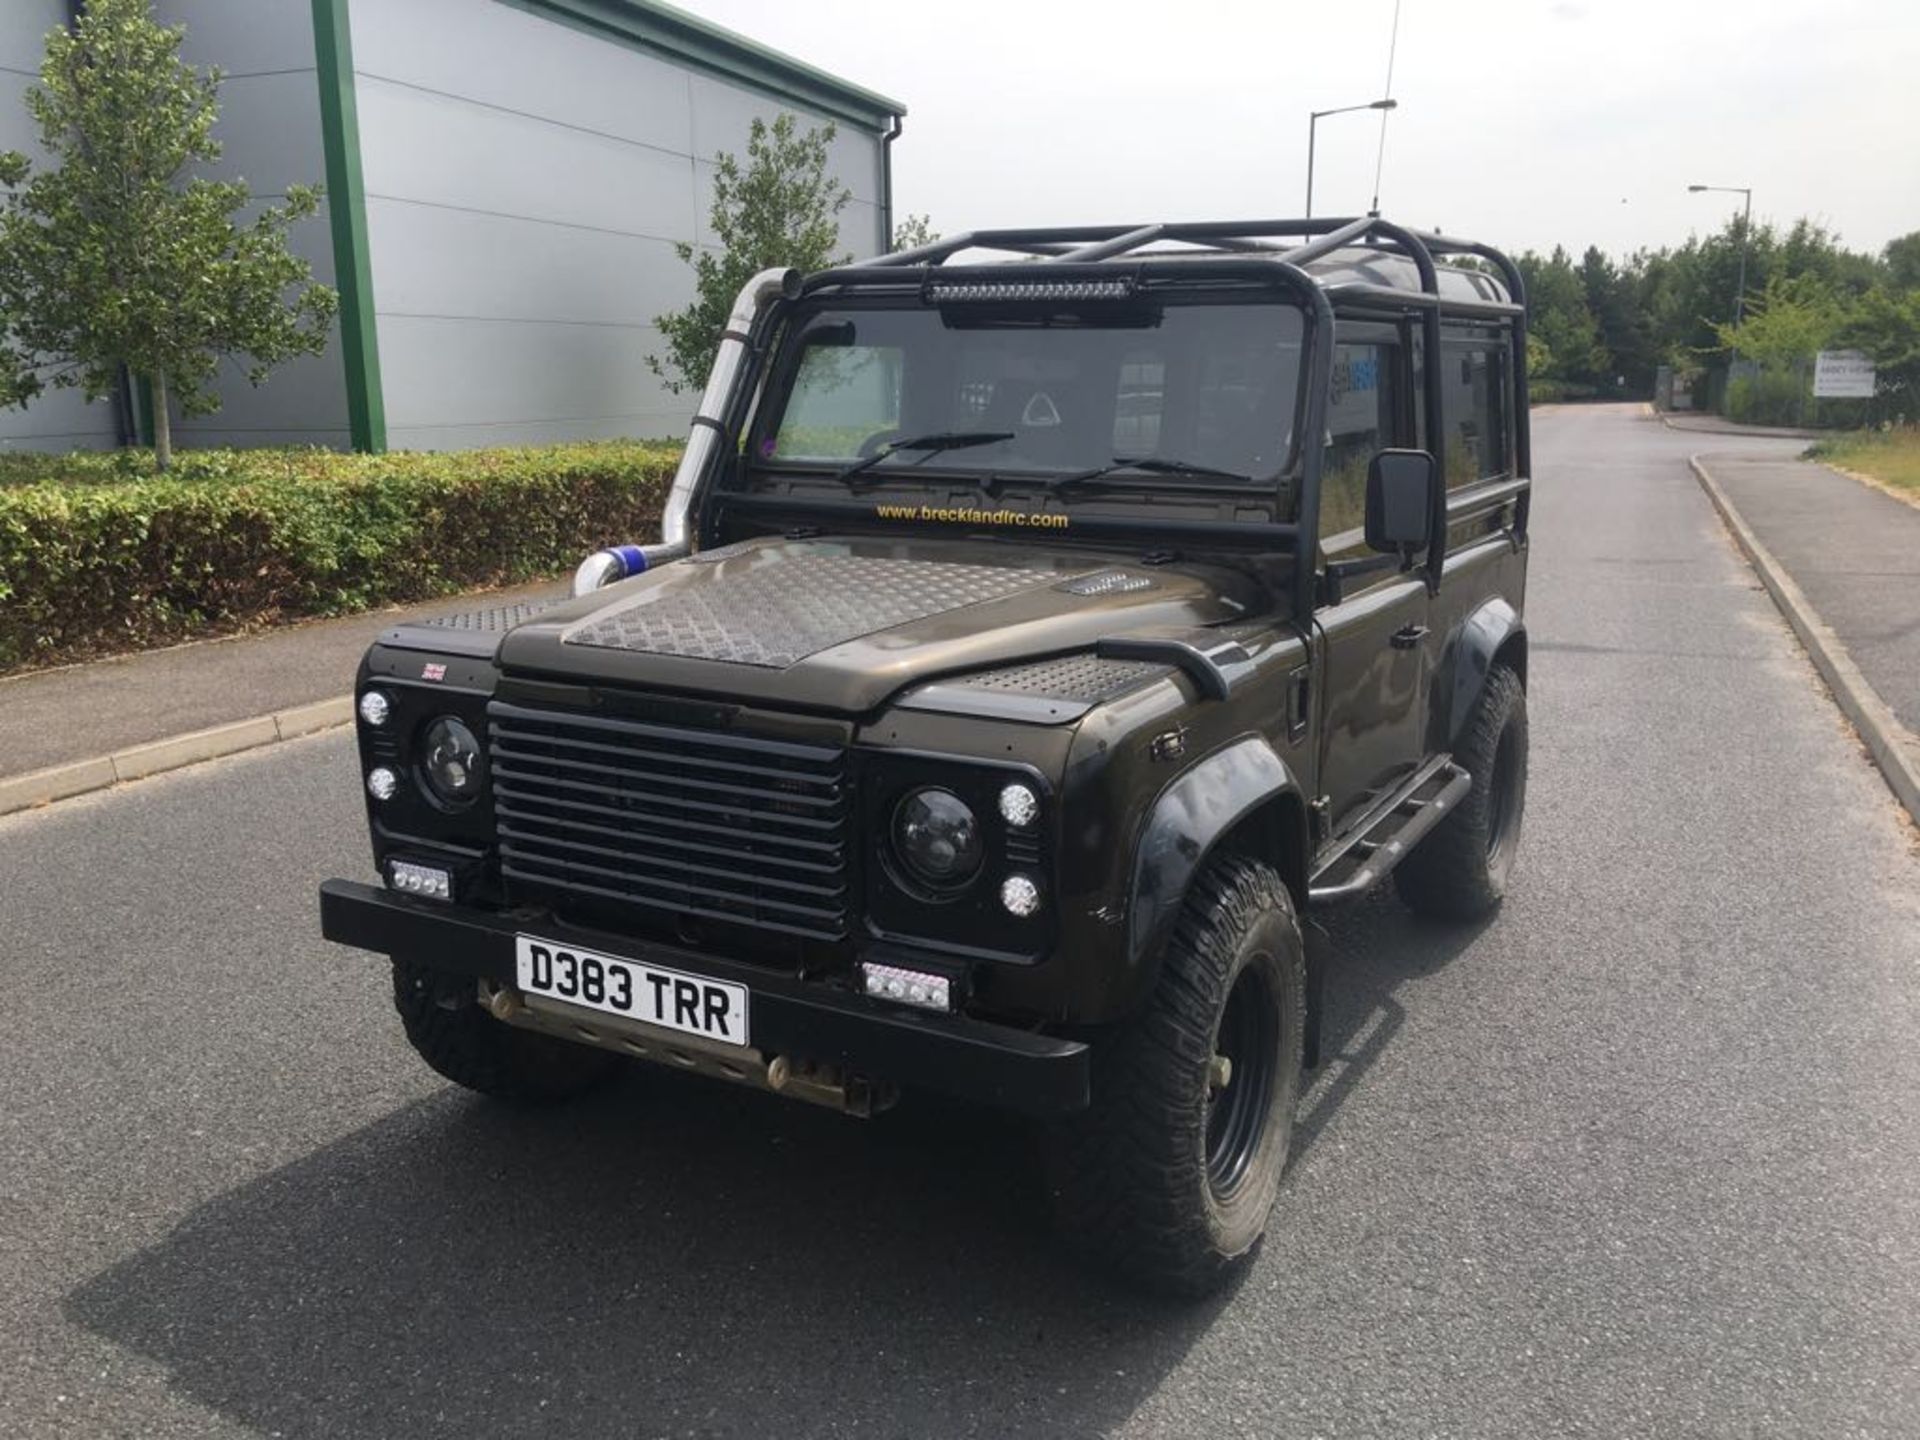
x=1045 y=623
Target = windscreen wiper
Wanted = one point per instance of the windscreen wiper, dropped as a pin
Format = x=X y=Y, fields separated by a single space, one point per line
x=933 y=444
x=1152 y=464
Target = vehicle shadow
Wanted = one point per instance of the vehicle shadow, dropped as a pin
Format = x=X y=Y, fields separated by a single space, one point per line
x=678 y=1257
x=673 y=1257
x=1372 y=947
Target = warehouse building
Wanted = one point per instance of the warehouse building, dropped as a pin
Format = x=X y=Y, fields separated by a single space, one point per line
x=506 y=180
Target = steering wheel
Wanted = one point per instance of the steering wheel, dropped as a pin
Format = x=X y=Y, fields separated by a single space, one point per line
x=876 y=442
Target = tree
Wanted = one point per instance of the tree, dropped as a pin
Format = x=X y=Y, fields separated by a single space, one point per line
x=1902 y=259
x=779 y=209
x=1795 y=316
x=1886 y=325
x=913 y=232
x=109 y=258
x=1557 y=312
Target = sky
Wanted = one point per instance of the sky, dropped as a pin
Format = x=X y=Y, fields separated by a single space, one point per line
x=1522 y=123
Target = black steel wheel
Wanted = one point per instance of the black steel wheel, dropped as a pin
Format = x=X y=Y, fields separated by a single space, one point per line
x=1171 y=1174
x=1460 y=871
x=1240 y=1080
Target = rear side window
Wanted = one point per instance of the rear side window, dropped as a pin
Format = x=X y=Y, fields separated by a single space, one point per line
x=1476 y=380
x=1361 y=404
x=1138 y=406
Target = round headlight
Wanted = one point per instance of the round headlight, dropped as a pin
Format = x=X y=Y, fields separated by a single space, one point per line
x=451 y=762
x=375 y=707
x=937 y=838
x=382 y=782
x=1020 y=895
x=1019 y=805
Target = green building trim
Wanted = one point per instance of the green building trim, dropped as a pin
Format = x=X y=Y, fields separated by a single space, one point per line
x=347 y=207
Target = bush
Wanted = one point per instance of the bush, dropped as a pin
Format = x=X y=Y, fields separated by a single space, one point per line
x=1772 y=397
x=100 y=553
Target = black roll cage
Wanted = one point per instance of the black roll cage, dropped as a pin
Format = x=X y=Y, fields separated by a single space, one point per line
x=1224 y=253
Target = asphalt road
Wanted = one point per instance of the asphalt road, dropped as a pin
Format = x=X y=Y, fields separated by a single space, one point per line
x=1641 y=1157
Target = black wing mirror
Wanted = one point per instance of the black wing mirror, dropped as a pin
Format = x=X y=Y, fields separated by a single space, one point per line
x=1400 y=486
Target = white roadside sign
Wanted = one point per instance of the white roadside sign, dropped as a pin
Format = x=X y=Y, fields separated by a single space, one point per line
x=1842 y=375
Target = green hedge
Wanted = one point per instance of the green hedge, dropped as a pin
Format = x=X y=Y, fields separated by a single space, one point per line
x=98 y=553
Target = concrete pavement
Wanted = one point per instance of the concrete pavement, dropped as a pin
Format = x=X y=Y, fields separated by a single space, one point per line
x=1854 y=551
x=1699 y=424
x=81 y=726
x=1636 y=1158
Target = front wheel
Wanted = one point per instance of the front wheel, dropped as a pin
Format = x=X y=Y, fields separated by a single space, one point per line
x=1460 y=871
x=1170 y=1175
x=460 y=1040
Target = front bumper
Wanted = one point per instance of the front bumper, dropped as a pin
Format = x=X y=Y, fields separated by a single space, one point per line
x=971 y=1059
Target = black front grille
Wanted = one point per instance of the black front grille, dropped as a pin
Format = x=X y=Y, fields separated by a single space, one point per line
x=686 y=822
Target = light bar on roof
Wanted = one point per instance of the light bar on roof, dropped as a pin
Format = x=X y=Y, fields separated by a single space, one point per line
x=944 y=291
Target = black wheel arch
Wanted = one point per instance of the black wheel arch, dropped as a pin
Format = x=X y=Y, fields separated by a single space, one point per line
x=1241 y=795
x=1492 y=634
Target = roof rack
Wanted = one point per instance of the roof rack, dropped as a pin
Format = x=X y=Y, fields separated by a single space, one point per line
x=1314 y=240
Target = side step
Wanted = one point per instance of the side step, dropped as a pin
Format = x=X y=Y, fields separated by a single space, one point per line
x=1381 y=838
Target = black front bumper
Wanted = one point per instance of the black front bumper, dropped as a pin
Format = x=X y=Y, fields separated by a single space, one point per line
x=971 y=1059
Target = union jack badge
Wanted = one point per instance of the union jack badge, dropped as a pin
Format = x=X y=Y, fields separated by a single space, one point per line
x=433 y=670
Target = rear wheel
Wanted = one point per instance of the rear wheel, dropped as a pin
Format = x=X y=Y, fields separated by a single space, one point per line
x=1460 y=871
x=460 y=1040
x=1170 y=1176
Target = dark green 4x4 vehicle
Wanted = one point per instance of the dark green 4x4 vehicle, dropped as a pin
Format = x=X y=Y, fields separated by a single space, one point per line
x=1033 y=644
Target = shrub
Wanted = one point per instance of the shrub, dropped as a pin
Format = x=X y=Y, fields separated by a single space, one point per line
x=1771 y=397
x=100 y=553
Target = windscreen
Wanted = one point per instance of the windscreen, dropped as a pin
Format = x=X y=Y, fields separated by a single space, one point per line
x=1210 y=387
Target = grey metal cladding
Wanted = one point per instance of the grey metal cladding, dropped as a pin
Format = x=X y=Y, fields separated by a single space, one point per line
x=58 y=419
x=776 y=615
x=474 y=633
x=1088 y=679
x=1040 y=692
x=498 y=619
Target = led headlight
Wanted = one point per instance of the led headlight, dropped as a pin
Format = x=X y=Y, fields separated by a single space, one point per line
x=451 y=762
x=375 y=708
x=909 y=987
x=382 y=782
x=1018 y=806
x=429 y=880
x=936 y=837
x=1020 y=895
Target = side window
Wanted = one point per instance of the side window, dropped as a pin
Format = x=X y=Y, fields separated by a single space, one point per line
x=1476 y=379
x=1361 y=405
x=1138 y=404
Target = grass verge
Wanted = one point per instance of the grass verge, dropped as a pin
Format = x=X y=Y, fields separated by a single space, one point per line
x=1890 y=456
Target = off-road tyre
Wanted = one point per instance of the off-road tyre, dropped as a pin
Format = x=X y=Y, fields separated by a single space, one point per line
x=1136 y=1180
x=471 y=1048
x=1460 y=870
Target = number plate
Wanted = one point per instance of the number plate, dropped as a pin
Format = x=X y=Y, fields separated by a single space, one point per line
x=692 y=1004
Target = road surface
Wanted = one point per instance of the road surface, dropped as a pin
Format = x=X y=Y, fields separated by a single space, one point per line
x=1640 y=1157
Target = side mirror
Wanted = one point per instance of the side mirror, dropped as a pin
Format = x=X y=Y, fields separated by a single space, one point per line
x=1400 y=487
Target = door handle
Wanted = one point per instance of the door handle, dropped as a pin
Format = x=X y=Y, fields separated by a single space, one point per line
x=1408 y=636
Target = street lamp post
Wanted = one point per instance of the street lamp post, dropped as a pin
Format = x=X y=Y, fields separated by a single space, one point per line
x=1746 y=239
x=1313 y=119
